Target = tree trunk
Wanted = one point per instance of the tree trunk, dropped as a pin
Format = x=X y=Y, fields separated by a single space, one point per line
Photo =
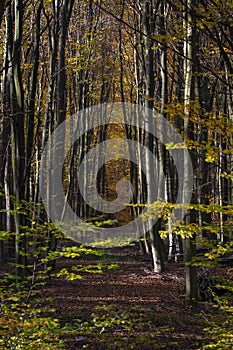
x=155 y=239
x=189 y=243
x=17 y=137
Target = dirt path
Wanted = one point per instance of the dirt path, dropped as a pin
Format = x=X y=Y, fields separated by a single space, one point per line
x=127 y=308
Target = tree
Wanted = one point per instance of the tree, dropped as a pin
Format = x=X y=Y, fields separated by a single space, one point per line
x=2 y=9
x=148 y=26
x=17 y=130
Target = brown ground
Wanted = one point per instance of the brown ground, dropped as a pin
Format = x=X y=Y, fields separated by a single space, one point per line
x=137 y=308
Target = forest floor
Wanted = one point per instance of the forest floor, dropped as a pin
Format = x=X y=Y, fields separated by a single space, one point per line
x=128 y=307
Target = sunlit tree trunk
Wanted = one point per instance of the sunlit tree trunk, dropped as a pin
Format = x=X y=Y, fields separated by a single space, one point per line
x=156 y=244
x=139 y=134
x=189 y=243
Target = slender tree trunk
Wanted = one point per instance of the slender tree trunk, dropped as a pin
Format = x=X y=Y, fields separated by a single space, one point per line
x=155 y=239
x=17 y=136
x=31 y=103
x=189 y=243
x=5 y=123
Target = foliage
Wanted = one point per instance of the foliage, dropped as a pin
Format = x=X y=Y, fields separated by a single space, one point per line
x=24 y=320
x=132 y=328
x=220 y=324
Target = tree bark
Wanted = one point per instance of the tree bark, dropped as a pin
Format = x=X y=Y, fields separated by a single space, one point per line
x=17 y=136
x=189 y=243
x=155 y=239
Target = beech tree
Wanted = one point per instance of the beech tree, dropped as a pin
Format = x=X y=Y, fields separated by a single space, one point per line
x=189 y=96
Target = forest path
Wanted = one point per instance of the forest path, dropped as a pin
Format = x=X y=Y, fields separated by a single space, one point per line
x=127 y=308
